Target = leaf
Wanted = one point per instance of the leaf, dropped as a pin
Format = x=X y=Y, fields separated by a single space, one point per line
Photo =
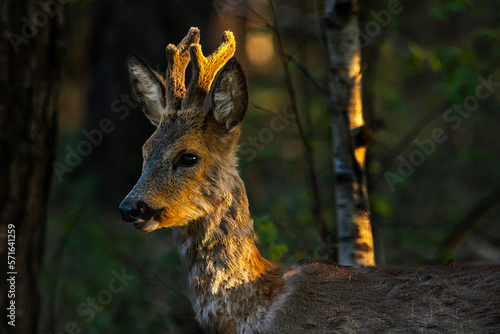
x=381 y=207
x=266 y=230
x=277 y=251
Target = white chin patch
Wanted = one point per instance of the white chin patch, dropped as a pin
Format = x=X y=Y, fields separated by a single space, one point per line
x=147 y=226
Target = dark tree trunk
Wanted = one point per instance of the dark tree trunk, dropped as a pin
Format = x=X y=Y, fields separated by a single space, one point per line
x=29 y=81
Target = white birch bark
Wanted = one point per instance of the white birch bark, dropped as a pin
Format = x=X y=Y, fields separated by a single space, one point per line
x=355 y=240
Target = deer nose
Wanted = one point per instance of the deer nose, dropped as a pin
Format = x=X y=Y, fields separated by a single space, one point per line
x=129 y=214
x=134 y=212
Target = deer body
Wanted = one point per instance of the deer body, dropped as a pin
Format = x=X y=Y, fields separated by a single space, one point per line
x=190 y=182
x=234 y=290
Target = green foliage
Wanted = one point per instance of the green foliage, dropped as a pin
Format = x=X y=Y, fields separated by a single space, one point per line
x=381 y=206
x=276 y=252
x=267 y=235
x=443 y=10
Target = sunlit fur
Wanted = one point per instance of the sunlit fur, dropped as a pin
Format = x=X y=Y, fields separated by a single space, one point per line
x=233 y=289
x=208 y=208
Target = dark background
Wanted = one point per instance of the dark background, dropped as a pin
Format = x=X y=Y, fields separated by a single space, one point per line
x=417 y=64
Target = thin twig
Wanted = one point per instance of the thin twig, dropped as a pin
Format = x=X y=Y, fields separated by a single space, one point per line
x=255 y=22
x=317 y=206
x=263 y=21
x=146 y=278
x=59 y=256
x=308 y=74
x=263 y=109
x=467 y=224
x=406 y=141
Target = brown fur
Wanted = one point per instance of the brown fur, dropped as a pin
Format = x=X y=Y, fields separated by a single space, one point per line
x=233 y=288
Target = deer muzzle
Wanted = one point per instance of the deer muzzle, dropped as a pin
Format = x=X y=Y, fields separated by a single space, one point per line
x=138 y=212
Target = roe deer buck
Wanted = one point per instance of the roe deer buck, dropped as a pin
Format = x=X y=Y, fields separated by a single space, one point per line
x=190 y=182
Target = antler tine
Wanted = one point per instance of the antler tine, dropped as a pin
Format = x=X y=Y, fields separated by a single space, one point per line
x=205 y=69
x=178 y=59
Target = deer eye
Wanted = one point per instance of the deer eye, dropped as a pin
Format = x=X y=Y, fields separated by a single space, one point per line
x=187 y=160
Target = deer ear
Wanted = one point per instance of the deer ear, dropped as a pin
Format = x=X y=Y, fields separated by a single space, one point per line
x=229 y=100
x=148 y=87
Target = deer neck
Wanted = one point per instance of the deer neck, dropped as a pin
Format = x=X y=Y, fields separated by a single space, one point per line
x=227 y=274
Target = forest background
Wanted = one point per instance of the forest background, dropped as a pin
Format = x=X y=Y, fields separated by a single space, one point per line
x=431 y=90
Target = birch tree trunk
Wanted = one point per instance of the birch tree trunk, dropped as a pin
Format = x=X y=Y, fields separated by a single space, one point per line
x=349 y=134
x=29 y=81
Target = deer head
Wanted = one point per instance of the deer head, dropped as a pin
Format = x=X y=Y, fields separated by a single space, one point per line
x=189 y=160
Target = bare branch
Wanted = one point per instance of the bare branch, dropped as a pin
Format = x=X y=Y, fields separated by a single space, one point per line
x=263 y=109
x=308 y=151
x=407 y=140
x=463 y=228
x=58 y=256
x=308 y=74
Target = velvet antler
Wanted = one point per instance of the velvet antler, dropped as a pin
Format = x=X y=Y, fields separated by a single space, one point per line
x=178 y=58
x=205 y=69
